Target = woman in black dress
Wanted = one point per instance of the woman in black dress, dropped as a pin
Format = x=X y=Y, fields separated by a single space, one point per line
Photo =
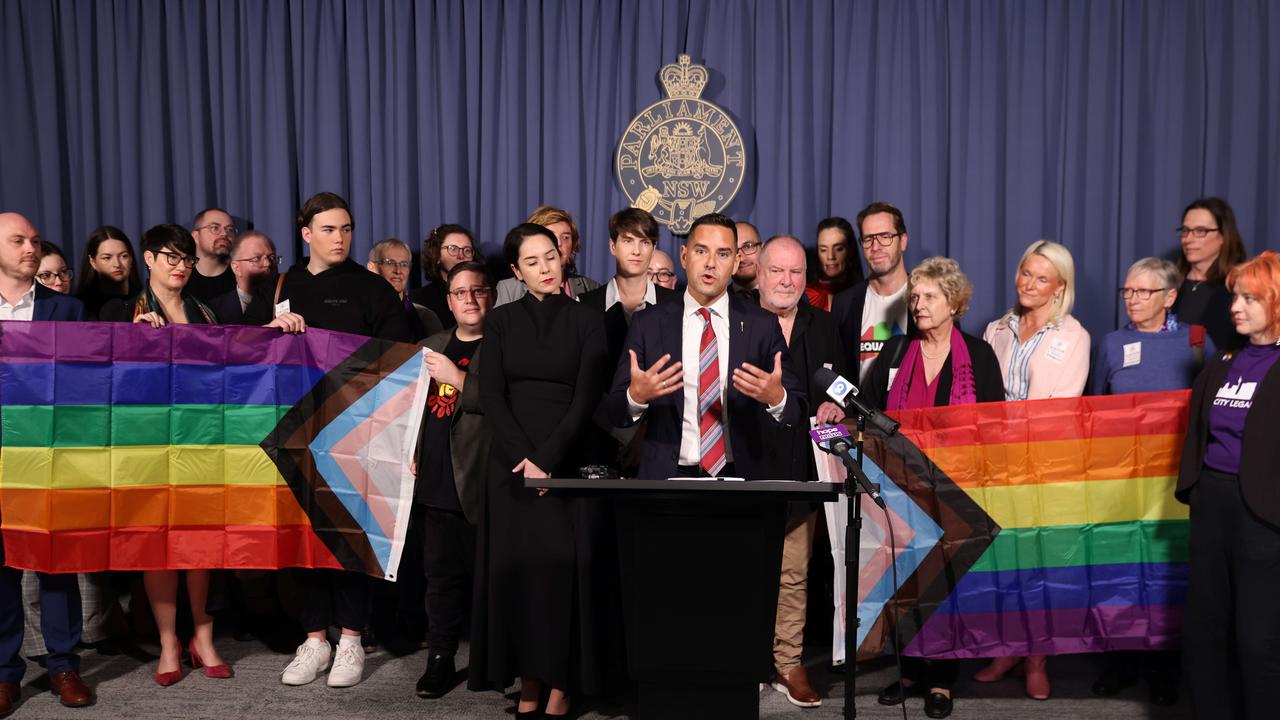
x=544 y=367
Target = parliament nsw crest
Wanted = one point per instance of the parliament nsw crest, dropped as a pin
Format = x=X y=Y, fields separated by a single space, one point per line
x=682 y=157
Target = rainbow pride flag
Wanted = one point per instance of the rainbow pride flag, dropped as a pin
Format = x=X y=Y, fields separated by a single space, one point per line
x=1039 y=527
x=124 y=447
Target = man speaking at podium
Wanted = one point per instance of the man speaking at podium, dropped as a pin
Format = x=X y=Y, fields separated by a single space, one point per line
x=731 y=413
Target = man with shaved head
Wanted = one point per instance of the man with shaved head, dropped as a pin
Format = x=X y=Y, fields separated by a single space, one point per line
x=813 y=342
x=22 y=298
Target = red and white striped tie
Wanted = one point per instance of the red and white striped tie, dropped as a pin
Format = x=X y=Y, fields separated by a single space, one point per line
x=710 y=408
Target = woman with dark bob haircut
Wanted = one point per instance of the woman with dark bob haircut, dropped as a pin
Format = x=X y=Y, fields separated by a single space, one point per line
x=170 y=254
x=542 y=374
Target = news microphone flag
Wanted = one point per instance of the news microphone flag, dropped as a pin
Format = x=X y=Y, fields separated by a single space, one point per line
x=124 y=447
x=1026 y=528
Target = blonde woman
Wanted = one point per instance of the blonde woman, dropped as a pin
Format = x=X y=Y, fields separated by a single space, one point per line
x=1043 y=353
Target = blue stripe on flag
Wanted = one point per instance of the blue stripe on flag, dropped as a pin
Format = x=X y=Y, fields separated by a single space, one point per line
x=359 y=411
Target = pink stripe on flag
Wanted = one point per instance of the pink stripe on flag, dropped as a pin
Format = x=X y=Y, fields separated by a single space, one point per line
x=345 y=453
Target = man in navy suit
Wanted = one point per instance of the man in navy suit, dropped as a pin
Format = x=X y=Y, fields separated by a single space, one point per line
x=22 y=298
x=731 y=413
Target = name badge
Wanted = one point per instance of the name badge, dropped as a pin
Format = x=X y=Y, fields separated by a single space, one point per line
x=893 y=373
x=282 y=307
x=1132 y=354
x=1057 y=351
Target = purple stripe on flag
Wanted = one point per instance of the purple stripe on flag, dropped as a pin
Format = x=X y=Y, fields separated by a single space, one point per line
x=1081 y=586
x=1049 y=632
x=43 y=342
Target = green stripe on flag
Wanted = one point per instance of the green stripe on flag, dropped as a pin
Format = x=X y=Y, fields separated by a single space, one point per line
x=1143 y=541
x=134 y=425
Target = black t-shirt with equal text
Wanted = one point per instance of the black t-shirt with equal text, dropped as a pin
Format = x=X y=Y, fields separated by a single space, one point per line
x=435 y=486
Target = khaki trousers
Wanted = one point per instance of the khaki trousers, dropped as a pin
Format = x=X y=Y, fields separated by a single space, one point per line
x=793 y=589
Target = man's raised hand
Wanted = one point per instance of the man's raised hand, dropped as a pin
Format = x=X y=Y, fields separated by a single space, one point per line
x=655 y=382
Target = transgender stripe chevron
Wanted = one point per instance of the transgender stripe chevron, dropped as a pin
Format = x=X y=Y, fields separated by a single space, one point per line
x=123 y=447
x=1039 y=527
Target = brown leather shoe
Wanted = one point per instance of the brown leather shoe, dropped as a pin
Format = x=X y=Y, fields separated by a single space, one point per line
x=795 y=685
x=71 y=690
x=9 y=692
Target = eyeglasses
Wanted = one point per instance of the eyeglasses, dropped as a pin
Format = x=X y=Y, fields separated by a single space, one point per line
x=174 y=258
x=48 y=276
x=1196 y=232
x=750 y=248
x=218 y=228
x=259 y=259
x=1142 y=293
x=402 y=264
x=663 y=275
x=479 y=293
x=462 y=251
x=884 y=239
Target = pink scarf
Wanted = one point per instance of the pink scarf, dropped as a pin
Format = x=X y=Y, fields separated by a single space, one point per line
x=911 y=372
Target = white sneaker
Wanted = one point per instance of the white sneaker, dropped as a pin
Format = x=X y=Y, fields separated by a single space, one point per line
x=311 y=660
x=348 y=665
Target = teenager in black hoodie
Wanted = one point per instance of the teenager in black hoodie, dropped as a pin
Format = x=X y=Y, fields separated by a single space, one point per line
x=331 y=292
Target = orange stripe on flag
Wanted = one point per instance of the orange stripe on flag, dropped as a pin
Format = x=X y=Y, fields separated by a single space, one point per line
x=1086 y=418
x=127 y=507
x=1038 y=463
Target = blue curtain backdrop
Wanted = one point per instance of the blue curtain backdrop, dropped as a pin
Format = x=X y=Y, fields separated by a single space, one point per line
x=990 y=123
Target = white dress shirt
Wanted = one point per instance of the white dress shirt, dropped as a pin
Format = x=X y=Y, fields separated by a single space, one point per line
x=24 y=309
x=611 y=295
x=690 y=346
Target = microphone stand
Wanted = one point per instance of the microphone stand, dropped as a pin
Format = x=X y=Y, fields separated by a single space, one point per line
x=852 y=538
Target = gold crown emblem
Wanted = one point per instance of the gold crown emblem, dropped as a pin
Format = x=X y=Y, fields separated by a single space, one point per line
x=683 y=79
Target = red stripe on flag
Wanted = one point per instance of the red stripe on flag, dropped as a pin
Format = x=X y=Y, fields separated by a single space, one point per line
x=237 y=547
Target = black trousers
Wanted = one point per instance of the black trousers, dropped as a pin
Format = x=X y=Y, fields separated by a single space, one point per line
x=448 y=560
x=1231 y=631
x=930 y=673
x=333 y=597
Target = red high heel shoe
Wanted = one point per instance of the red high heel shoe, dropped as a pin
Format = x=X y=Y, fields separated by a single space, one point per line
x=214 y=671
x=166 y=679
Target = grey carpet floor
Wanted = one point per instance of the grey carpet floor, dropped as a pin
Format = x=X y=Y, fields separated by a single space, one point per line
x=127 y=692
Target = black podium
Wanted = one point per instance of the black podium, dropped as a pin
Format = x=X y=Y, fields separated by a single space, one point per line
x=700 y=561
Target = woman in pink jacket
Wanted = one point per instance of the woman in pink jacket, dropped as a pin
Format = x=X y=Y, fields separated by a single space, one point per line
x=1043 y=353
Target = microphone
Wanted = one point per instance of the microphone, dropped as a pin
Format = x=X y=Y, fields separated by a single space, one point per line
x=845 y=394
x=834 y=439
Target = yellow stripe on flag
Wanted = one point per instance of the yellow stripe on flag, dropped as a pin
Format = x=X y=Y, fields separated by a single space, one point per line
x=1081 y=503
x=137 y=466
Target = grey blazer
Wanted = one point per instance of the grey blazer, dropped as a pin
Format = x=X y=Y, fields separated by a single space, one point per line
x=511 y=289
x=468 y=436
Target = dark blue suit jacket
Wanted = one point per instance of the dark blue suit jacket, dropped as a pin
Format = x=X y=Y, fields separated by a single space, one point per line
x=758 y=442
x=52 y=305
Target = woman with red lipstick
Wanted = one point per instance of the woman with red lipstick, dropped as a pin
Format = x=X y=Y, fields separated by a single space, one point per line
x=838 y=266
x=1210 y=246
x=107 y=270
x=542 y=373
x=170 y=254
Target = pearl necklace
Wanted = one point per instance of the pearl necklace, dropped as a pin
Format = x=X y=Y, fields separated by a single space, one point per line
x=943 y=354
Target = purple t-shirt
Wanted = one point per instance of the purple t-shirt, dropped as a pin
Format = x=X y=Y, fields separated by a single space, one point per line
x=1231 y=404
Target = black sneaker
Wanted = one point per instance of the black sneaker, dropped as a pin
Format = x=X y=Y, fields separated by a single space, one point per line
x=438 y=679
